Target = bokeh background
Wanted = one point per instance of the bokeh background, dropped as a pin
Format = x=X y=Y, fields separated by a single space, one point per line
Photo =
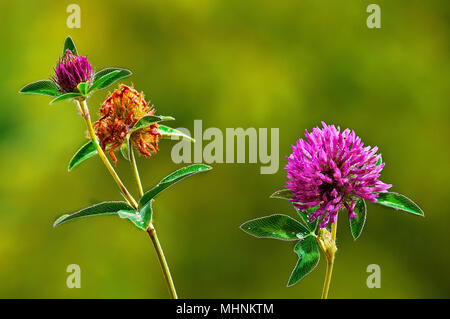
x=283 y=64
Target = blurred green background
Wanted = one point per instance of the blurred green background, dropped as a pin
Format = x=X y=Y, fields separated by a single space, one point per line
x=282 y=64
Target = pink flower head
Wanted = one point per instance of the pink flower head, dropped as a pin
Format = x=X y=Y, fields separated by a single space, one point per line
x=72 y=70
x=331 y=169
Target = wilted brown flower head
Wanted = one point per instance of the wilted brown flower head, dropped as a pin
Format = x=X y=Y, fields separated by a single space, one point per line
x=118 y=114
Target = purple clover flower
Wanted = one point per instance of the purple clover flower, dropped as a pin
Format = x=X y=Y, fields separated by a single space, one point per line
x=71 y=71
x=332 y=169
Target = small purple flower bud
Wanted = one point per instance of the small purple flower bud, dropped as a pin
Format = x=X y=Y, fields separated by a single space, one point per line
x=70 y=71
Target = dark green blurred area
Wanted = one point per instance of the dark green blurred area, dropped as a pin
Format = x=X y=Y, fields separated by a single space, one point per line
x=282 y=64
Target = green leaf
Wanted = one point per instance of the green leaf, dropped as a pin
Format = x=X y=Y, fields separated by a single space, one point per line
x=357 y=223
x=65 y=97
x=173 y=178
x=106 y=77
x=149 y=120
x=133 y=216
x=143 y=122
x=275 y=226
x=86 y=151
x=399 y=201
x=380 y=160
x=125 y=148
x=287 y=195
x=305 y=217
x=168 y=132
x=104 y=80
x=283 y=194
x=313 y=226
x=103 y=72
x=105 y=208
x=43 y=87
x=146 y=212
x=83 y=88
x=141 y=219
x=69 y=45
x=308 y=258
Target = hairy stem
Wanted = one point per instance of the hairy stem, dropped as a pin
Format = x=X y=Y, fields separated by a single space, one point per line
x=330 y=262
x=162 y=260
x=84 y=110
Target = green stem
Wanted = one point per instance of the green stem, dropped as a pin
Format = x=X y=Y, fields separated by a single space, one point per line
x=135 y=172
x=326 y=285
x=152 y=233
x=84 y=110
x=330 y=263
x=162 y=260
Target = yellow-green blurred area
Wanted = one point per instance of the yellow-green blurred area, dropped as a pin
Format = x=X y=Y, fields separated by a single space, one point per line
x=262 y=64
